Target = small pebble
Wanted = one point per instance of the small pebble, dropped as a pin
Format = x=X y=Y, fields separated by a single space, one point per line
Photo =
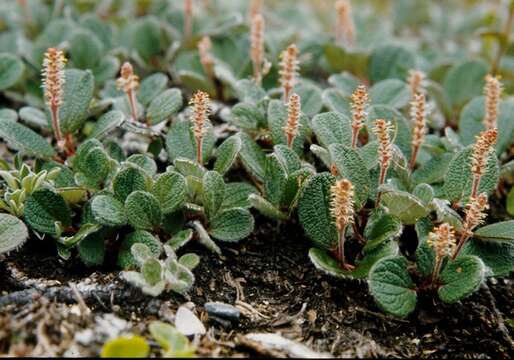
x=222 y=310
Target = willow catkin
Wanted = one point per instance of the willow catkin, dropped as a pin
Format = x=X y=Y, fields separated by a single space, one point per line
x=418 y=117
x=345 y=28
x=257 y=46
x=293 y=119
x=289 y=66
x=53 y=86
x=492 y=92
x=360 y=101
x=199 y=119
x=482 y=148
x=129 y=82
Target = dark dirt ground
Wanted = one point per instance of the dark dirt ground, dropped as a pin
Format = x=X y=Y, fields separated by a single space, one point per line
x=278 y=290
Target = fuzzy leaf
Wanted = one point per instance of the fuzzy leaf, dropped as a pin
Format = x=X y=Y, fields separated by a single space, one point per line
x=77 y=94
x=126 y=346
x=390 y=61
x=170 y=189
x=424 y=192
x=226 y=154
x=252 y=157
x=380 y=228
x=180 y=141
x=213 y=193
x=143 y=210
x=335 y=100
x=33 y=117
x=392 y=287
x=500 y=231
x=145 y=162
x=25 y=140
x=460 y=278
x=127 y=181
x=275 y=181
x=408 y=208
x=151 y=271
x=432 y=171
x=425 y=259
x=245 y=116
x=332 y=128
x=266 y=208
x=44 y=208
x=164 y=106
x=13 y=233
x=497 y=256
x=392 y=92
x=180 y=239
x=464 y=81
x=190 y=260
x=92 y=249
x=350 y=165
x=126 y=259
x=232 y=225
x=146 y=37
x=108 y=211
x=85 y=49
x=314 y=211
x=236 y=195
x=310 y=96
x=458 y=178
x=107 y=123
x=324 y=262
x=151 y=87
x=11 y=70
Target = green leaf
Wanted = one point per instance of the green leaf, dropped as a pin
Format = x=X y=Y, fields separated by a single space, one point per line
x=151 y=87
x=174 y=343
x=170 y=189
x=96 y=165
x=164 y=106
x=425 y=259
x=190 y=260
x=345 y=82
x=33 y=117
x=143 y=210
x=497 y=256
x=226 y=154
x=248 y=91
x=464 y=81
x=85 y=230
x=390 y=61
x=433 y=170
x=85 y=49
x=125 y=258
x=392 y=287
x=146 y=37
x=310 y=96
x=189 y=167
x=180 y=141
x=232 y=225
x=246 y=116
x=236 y=195
x=13 y=233
x=180 y=239
x=213 y=193
x=500 y=231
x=324 y=262
x=11 y=70
x=127 y=181
x=277 y=119
x=461 y=278
x=204 y=238
x=126 y=347
x=314 y=211
x=92 y=249
x=424 y=192
x=335 y=100
x=458 y=178
x=408 y=208
x=107 y=123
x=275 y=180
x=266 y=208
x=339 y=59
x=108 y=211
x=145 y=162
x=392 y=92
x=151 y=271
x=252 y=157
x=25 y=140
x=350 y=165
x=77 y=94
x=44 y=208
x=510 y=202
x=380 y=228
x=332 y=128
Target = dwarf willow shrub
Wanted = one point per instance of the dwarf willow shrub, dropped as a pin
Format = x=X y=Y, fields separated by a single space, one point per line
x=160 y=123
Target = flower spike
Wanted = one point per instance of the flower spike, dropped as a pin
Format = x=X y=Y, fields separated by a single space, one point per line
x=360 y=100
x=492 y=92
x=484 y=145
x=418 y=116
x=345 y=28
x=129 y=82
x=382 y=129
x=342 y=211
x=53 y=86
x=200 y=117
x=257 y=46
x=289 y=65
x=206 y=59
x=416 y=81
x=293 y=119
x=442 y=240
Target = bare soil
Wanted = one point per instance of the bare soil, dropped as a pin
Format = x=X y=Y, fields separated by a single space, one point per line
x=270 y=278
